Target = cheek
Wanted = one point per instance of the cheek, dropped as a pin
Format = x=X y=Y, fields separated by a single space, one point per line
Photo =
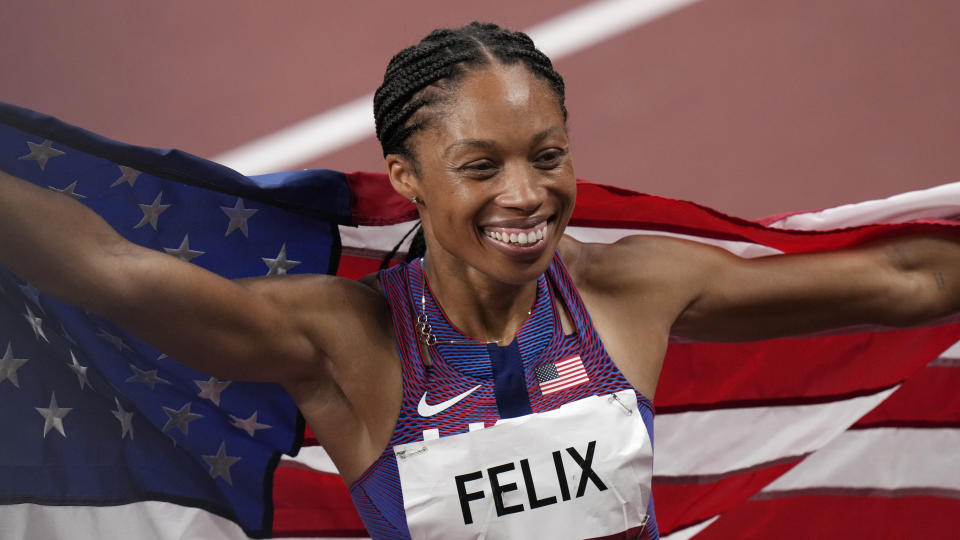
x=453 y=207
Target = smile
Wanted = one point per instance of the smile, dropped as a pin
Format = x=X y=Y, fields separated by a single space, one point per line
x=518 y=237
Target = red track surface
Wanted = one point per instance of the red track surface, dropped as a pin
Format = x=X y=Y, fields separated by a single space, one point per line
x=753 y=107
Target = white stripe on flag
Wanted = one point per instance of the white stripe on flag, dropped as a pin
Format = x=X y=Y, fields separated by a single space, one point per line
x=689 y=532
x=314 y=458
x=876 y=459
x=148 y=519
x=940 y=202
x=747 y=250
x=952 y=352
x=746 y=437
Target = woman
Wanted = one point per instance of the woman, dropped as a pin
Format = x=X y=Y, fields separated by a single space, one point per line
x=502 y=317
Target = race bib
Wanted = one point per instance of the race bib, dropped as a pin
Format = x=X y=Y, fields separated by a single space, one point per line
x=580 y=471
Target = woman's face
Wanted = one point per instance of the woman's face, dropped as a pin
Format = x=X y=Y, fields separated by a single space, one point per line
x=495 y=175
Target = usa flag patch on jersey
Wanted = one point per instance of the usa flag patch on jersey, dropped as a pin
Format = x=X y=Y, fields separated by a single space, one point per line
x=560 y=375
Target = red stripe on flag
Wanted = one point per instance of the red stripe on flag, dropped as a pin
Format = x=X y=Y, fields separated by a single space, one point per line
x=804 y=517
x=718 y=374
x=680 y=505
x=310 y=503
x=929 y=398
x=354 y=267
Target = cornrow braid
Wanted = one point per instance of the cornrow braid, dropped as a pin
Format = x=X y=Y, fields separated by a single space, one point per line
x=424 y=74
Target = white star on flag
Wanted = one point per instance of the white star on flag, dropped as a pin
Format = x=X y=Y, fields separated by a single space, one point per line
x=41 y=153
x=180 y=419
x=127 y=175
x=250 y=425
x=280 y=265
x=70 y=191
x=184 y=253
x=9 y=366
x=125 y=418
x=53 y=416
x=36 y=323
x=116 y=341
x=147 y=377
x=151 y=212
x=211 y=388
x=81 y=371
x=220 y=464
x=238 y=217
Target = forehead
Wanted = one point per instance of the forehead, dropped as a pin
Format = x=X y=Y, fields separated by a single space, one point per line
x=499 y=103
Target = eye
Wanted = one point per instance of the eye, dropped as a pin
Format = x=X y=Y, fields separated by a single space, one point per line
x=479 y=168
x=550 y=158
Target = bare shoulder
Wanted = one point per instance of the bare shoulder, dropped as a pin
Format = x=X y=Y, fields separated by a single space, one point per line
x=635 y=289
x=641 y=262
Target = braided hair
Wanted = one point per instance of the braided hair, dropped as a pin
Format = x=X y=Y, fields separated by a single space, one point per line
x=427 y=74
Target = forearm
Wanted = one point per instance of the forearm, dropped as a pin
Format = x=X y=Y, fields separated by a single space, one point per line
x=55 y=242
x=205 y=321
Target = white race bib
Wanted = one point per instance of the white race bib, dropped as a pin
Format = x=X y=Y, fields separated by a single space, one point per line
x=580 y=471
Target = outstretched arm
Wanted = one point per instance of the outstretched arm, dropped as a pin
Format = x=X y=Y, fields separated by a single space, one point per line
x=899 y=282
x=706 y=293
x=254 y=330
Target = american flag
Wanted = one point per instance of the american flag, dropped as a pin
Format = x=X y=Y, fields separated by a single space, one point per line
x=92 y=415
x=556 y=376
x=753 y=440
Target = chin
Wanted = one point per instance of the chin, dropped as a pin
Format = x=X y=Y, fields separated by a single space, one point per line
x=520 y=266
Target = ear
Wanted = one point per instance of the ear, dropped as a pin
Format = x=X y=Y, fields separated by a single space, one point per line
x=403 y=176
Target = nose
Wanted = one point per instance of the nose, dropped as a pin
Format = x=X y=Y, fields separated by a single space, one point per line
x=522 y=190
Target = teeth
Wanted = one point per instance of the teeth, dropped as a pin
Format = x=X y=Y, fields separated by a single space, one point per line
x=522 y=239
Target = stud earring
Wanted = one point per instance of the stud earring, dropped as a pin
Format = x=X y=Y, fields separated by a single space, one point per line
x=414 y=200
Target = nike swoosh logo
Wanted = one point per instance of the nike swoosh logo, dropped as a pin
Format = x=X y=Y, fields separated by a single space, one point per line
x=425 y=409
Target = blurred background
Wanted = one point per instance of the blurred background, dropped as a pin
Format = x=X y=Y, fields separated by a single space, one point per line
x=753 y=107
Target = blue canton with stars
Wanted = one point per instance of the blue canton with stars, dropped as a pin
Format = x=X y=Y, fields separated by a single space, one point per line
x=90 y=415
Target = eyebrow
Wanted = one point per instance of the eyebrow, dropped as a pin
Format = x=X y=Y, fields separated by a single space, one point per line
x=491 y=145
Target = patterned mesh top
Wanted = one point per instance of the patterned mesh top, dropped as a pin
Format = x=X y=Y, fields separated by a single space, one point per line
x=540 y=370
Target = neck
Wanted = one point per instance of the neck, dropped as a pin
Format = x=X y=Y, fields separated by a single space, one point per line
x=480 y=306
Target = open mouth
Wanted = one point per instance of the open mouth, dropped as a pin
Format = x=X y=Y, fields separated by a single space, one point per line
x=518 y=237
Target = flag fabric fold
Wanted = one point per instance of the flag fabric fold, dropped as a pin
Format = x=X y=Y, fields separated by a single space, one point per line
x=95 y=421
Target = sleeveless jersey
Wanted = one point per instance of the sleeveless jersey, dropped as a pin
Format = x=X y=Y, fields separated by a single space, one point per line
x=473 y=385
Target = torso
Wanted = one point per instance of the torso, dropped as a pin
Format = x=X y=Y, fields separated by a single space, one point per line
x=541 y=340
x=355 y=429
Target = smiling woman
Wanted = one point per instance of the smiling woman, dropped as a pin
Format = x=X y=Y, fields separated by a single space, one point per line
x=513 y=366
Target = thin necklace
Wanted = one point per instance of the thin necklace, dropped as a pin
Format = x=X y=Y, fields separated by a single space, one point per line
x=423 y=322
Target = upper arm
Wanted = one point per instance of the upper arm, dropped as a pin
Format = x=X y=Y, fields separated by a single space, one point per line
x=747 y=299
x=273 y=329
x=707 y=293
